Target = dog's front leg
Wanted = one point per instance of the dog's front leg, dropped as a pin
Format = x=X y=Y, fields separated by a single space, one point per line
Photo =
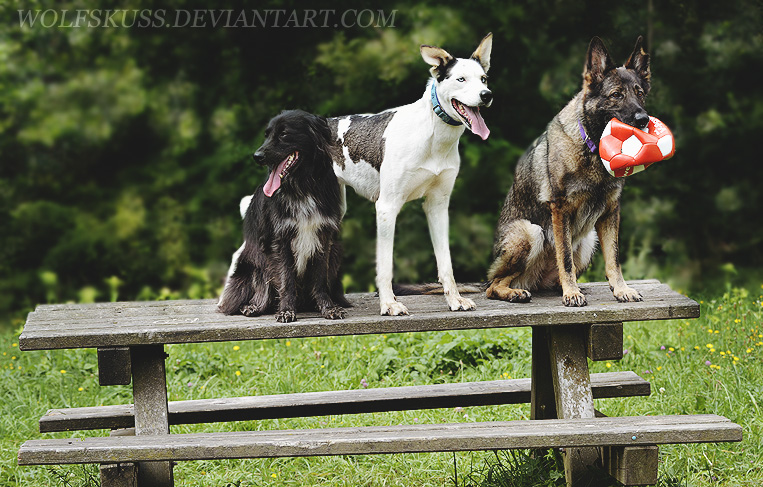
x=287 y=284
x=608 y=229
x=386 y=216
x=321 y=292
x=571 y=295
x=436 y=210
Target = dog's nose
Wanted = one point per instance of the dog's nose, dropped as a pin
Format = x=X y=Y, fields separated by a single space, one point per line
x=640 y=120
x=486 y=96
x=258 y=157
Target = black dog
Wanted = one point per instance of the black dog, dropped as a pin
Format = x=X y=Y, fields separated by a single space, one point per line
x=291 y=253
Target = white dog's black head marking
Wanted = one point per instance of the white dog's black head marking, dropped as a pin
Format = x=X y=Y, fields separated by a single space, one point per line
x=461 y=84
x=293 y=139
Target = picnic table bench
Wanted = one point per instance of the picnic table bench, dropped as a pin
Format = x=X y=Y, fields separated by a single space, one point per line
x=130 y=338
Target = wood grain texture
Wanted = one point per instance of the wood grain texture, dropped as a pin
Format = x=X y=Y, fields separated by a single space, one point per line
x=632 y=465
x=114 y=368
x=550 y=433
x=514 y=391
x=186 y=321
x=605 y=341
x=149 y=389
x=119 y=475
x=574 y=398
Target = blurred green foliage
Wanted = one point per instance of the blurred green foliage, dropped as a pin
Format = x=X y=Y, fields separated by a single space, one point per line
x=124 y=151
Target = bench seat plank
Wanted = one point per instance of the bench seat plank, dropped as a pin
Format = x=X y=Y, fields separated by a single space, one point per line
x=187 y=321
x=513 y=391
x=551 y=433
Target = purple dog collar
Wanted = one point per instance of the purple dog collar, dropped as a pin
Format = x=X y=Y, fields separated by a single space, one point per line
x=591 y=145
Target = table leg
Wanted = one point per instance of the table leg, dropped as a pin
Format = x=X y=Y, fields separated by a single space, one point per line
x=149 y=386
x=572 y=389
x=542 y=401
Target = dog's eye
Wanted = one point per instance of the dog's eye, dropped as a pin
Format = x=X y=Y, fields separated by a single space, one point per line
x=282 y=135
x=484 y=80
x=461 y=79
x=616 y=95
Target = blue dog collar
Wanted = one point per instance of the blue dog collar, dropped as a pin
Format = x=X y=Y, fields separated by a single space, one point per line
x=590 y=143
x=439 y=111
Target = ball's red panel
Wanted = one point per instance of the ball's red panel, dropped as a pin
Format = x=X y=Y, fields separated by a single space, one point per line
x=609 y=147
x=649 y=153
x=620 y=161
x=621 y=130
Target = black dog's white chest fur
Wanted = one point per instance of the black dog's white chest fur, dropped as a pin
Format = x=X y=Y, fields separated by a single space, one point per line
x=307 y=223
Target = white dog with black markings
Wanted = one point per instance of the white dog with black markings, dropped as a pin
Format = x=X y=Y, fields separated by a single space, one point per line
x=411 y=152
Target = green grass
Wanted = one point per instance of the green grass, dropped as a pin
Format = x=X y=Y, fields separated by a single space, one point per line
x=682 y=383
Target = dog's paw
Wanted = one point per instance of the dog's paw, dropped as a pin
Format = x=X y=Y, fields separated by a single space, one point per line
x=505 y=293
x=393 y=308
x=250 y=310
x=509 y=294
x=461 y=304
x=334 y=313
x=575 y=298
x=286 y=316
x=627 y=294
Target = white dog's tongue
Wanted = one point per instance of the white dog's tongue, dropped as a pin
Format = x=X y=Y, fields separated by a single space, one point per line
x=478 y=124
x=274 y=180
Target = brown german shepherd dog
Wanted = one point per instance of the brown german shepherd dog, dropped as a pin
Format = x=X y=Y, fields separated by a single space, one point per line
x=563 y=197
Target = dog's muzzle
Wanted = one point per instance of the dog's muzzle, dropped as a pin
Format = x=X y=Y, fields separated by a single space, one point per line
x=258 y=157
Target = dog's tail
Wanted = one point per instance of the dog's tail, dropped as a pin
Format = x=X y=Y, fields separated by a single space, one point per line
x=243 y=205
x=436 y=288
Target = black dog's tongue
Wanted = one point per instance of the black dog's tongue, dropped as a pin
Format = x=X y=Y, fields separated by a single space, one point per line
x=274 y=180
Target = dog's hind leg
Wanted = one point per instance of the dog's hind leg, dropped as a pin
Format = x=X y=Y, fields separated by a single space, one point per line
x=521 y=243
x=436 y=210
x=239 y=288
x=386 y=216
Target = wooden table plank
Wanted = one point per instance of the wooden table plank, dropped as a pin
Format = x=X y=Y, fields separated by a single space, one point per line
x=163 y=322
x=550 y=433
x=513 y=391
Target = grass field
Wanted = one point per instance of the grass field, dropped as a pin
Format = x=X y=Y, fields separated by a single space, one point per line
x=710 y=365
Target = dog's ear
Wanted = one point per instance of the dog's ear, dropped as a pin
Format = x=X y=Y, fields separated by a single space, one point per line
x=438 y=58
x=598 y=62
x=482 y=53
x=320 y=133
x=639 y=62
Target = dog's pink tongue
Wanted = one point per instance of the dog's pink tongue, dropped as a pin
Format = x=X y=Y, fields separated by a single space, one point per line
x=274 y=180
x=478 y=124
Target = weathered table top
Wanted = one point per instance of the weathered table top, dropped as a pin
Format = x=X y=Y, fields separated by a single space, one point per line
x=189 y=321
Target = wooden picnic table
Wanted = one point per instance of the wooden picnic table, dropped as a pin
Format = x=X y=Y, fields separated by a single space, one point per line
x=130 y=338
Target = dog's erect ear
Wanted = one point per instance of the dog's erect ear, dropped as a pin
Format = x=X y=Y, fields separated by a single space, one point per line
x=436 y=57
x=639 y=61
x=482 y=53
x=598 y=62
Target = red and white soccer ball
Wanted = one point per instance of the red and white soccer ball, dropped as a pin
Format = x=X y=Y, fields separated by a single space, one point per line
x=626 y=150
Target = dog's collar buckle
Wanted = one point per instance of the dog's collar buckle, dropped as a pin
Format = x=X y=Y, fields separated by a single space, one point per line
x=438 y=109
x=590 y=143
